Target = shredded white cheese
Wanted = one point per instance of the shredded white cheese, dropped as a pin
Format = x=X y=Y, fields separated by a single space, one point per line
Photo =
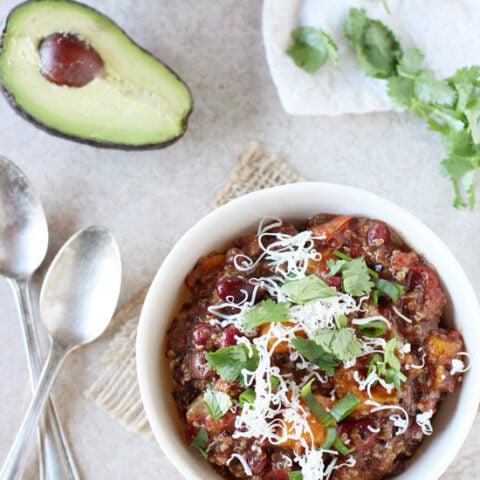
x=458 y=366
x=423 y=421
x=400 y=314
x=242 y=460
x=401 y=422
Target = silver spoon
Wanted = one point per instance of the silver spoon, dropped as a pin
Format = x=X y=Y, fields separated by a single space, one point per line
x=77 y=301
x=23 y=245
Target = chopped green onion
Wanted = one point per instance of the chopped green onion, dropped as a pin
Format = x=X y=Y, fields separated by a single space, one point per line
x=343 y=321
x=274 y=382
x=390 y=289
x=314 y=406
x=373 y=273
x=295 y=475
x=390 y=356
x=248 y=396
x=342 y=255
x=344 y=407
x=330 y=438
x=342 y=449
x=376 y=361
x=374 y=329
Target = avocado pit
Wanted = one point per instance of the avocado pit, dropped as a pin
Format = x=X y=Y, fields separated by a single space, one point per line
x=65 y=59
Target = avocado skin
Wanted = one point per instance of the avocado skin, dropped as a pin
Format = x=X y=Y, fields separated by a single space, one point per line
x=83 y=140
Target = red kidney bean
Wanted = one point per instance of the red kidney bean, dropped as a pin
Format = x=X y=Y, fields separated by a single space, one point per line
x=202 y=333
x=378 y=233
x=257 y=462
x=335 y=282
x=227 y=337
x=234 y=289
x=199 y=368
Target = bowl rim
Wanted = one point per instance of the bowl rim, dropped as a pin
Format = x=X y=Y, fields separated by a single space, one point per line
x=184 y=460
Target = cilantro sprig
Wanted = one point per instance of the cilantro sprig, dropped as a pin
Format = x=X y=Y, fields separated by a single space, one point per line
x=311 y=48
x=316 y=354
x=359 y=280
x=217 y=403
x=355 y=276
x=230 y=361
x=266 y=312
x=328 y=348
x=200 y=442
x=451 y=106
x=306 y=289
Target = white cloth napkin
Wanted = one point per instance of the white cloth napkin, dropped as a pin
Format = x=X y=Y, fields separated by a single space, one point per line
x=446 y=31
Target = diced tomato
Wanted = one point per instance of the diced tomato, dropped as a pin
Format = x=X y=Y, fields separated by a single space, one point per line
x=326 y=230
x=425 y=278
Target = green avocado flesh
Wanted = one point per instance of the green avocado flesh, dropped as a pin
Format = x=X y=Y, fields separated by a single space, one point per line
x=135 y=102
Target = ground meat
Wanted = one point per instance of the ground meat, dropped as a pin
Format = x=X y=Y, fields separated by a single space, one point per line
x=222 y=282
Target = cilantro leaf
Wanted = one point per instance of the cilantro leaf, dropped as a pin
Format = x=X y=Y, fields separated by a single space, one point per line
x=355 y=24
x=401 y=90
x=466 y=83
x=217 y=403
x=266 y=312
x=410 y=63
x=199 y=442
x=430 y=90
x=342 y=343
x=355 y=277
x=316 y=354
x=307 y=289
x=230 y=361
x=335 y=266
x=345 y=345
x=375 y=45
x=312 y=48
x=461 y=165
x=473 y=116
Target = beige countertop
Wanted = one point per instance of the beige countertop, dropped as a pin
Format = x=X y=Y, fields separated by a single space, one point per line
x=148 y=199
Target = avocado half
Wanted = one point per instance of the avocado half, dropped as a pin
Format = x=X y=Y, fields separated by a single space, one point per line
x=72 y=71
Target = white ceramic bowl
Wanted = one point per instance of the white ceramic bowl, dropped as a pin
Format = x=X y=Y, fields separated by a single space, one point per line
x=297 y=202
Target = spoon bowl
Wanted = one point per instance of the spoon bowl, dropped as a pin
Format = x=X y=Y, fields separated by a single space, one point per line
x=23 y=226
x=75 y=312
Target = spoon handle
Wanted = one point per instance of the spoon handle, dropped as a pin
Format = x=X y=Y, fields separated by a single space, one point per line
x=56 y=459
x=13 y=465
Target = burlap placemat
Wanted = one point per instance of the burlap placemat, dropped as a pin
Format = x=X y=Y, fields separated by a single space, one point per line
x=116 y=389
